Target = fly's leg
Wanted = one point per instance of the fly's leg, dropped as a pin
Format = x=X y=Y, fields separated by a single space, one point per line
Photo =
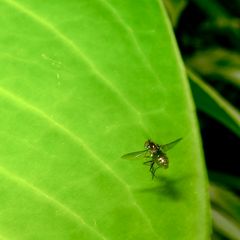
x=152 y=170
x=148 y=162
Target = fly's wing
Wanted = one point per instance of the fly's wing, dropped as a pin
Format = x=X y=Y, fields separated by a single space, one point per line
x=170 y=145
x=135 y=154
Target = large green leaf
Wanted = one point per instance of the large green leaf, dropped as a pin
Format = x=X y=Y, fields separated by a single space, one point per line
x=83 y=82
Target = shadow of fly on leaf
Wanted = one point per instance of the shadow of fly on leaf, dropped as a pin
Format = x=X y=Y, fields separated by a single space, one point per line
x=155 y=155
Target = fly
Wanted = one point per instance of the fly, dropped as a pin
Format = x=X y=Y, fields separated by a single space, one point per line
x=155 y=154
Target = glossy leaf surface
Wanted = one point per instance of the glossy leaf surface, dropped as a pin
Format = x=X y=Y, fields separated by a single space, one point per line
x=82 y=83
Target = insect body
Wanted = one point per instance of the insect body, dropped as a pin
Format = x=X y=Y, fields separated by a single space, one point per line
x=156 y=155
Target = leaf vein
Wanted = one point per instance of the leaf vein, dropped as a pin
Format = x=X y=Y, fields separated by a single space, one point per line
x=75 y=50
x=132 y=35
x=56 y=203
x=25 y=105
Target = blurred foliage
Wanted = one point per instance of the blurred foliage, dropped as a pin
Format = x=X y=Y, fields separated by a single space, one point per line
x=208 y=34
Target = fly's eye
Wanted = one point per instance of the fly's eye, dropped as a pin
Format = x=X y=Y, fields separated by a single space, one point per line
x=147 y=144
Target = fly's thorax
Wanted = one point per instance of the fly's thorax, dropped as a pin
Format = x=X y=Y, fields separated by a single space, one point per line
x=162 y=160
x=152 y=147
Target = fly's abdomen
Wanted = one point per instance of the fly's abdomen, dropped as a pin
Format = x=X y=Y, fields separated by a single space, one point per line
x=162 y=161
